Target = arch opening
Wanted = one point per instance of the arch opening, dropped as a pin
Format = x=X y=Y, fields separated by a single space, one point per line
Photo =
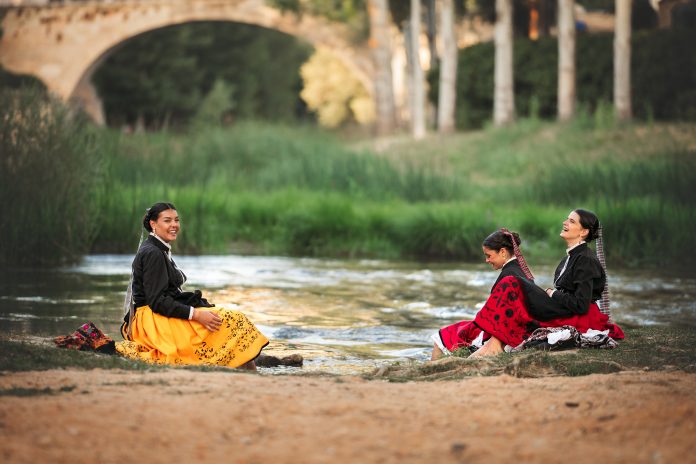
x=161 y=77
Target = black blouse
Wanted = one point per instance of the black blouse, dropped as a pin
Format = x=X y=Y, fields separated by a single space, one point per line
x=584 y=283
x=581 y=283
x=510 y=269
x=157 y=281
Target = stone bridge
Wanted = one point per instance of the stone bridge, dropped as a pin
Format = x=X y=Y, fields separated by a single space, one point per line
x=63 y=43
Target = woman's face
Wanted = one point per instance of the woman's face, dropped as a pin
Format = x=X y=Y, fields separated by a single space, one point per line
x=167 y=225
x=496 y=259
x=572 y=231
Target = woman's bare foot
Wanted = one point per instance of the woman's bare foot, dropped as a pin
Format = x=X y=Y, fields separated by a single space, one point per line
x=250 y=366
x=491 y=348
x=437 y=353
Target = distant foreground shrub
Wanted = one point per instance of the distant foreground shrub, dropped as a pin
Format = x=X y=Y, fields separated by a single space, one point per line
x=49 y=177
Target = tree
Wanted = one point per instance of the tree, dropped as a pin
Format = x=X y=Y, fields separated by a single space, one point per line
x=380 y=43
x=334 y=92
x=214 y=106
x=431 y=31
x=622 y=60
x=417 y=90
x=448 y=69
x=566 y=59
x=503 y=95
x=142 y=80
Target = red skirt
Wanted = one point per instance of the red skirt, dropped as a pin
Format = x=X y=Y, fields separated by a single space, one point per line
x=505 y=317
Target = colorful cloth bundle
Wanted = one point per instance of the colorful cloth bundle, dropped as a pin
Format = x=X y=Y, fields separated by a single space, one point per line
x=87 y=337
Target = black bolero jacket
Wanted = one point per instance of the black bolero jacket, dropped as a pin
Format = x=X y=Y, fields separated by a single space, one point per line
x=157 y=282
x=581 y=283
x=510 y=269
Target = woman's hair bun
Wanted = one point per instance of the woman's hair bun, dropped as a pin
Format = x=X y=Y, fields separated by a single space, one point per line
x=153 y=212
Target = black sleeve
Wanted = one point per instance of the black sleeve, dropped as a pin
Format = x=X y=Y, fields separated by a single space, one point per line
x=156 y=285
x=578 y=301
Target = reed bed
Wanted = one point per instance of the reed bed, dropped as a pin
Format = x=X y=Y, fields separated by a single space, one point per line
x=50 y=180
x=271 y=189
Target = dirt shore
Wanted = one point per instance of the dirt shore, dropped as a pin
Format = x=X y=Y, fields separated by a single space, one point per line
x=114 y=416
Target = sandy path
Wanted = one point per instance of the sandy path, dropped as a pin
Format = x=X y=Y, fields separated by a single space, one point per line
x=186 y=416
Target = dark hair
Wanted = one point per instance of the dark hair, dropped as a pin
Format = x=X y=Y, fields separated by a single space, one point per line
x=153 y=212
x=589 y=221
x=498 y=240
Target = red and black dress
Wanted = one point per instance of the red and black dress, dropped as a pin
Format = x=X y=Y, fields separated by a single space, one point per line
x=463 y=333
x=516 y=306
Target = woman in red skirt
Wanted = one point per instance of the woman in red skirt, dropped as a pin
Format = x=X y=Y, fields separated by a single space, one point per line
x=517 y=306
x=502 y=252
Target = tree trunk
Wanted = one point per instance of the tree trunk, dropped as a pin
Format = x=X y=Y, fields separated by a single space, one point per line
x=448 y=69
x=417 y=78
x=622 y=60
x=566 y=59
x=432 y=33
x=380 y=44
x=504 y=96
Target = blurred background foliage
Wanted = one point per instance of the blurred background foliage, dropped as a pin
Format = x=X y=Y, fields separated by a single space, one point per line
x=227 y=116
x=159 y=79
x=334 y=92
x=663 y=74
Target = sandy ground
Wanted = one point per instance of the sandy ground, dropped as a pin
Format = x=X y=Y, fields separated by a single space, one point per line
x=111 y=416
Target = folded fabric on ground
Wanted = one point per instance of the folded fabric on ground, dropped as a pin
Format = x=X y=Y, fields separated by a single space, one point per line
x=566 y=336
x=87 y=337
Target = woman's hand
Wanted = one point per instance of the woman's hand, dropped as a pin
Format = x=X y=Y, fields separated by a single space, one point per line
x=549 y=291
x=209 y=319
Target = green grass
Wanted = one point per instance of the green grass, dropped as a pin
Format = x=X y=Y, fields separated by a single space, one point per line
x=258 y=188
x=645 y=348
x=24 y=392
x=25 y=356
x=298 y=191
x=50 y=173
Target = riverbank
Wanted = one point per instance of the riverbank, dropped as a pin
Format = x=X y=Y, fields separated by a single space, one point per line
x=177 y=415
x=634 y=404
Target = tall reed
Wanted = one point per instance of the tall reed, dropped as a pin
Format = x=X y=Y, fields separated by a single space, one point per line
x=50 y=173
x=259 y=188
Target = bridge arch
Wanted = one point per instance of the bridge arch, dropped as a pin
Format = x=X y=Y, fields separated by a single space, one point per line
x=63 y=44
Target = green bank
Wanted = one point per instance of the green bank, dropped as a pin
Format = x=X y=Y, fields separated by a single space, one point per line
x=68 y=188
x=264 y=189
x=650 y=349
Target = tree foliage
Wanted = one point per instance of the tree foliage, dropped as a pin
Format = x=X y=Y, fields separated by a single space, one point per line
x=663 y=71
x=333 y=91
x=163 y=76
x=50 y=173
x=216 y=105
x=351 y=12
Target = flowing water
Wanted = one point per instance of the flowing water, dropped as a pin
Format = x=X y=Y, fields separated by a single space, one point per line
x=343 y=316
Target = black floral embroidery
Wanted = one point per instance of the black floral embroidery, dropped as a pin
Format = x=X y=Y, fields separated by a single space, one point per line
x=237 y=338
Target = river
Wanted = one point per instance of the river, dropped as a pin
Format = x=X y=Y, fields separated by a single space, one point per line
x=343 y=316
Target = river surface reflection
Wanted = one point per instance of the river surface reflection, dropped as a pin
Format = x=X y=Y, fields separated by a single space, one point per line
x=343 y=316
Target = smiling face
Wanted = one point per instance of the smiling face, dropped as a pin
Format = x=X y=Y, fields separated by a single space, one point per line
x=496 y=259
x=573 y=232
x=167 y=225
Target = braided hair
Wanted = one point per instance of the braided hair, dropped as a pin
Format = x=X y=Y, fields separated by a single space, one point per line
x=511 y=241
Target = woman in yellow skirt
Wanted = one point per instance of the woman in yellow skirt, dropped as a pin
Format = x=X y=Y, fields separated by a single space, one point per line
x=166 y=325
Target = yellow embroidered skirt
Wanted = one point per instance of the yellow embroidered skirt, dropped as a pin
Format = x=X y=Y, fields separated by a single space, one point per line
x=168 y=340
